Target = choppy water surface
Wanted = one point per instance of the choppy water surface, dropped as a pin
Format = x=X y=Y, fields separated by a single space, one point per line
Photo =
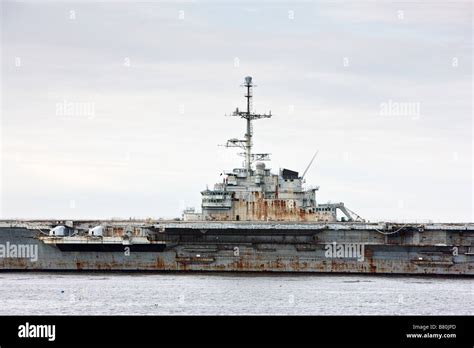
x=158 y=294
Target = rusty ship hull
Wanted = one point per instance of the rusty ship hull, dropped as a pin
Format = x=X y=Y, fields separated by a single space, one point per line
x=441 y=249
x=253 y=220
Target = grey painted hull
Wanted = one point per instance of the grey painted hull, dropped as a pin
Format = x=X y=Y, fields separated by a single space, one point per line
x=188 y=248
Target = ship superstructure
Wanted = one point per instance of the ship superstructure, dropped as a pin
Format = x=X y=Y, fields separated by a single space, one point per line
x=254 y=193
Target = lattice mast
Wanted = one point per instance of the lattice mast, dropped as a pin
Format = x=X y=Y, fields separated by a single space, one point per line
x=249 y=117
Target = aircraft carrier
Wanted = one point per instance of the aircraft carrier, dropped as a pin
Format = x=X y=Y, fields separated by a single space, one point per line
x=252 y=221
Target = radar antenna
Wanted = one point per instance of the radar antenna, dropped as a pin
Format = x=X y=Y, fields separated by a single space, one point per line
x=246 y=143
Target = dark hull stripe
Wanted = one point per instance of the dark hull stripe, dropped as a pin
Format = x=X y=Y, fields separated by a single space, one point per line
x=112 y=247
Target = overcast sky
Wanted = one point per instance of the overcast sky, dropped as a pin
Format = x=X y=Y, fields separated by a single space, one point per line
x=114 y=109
